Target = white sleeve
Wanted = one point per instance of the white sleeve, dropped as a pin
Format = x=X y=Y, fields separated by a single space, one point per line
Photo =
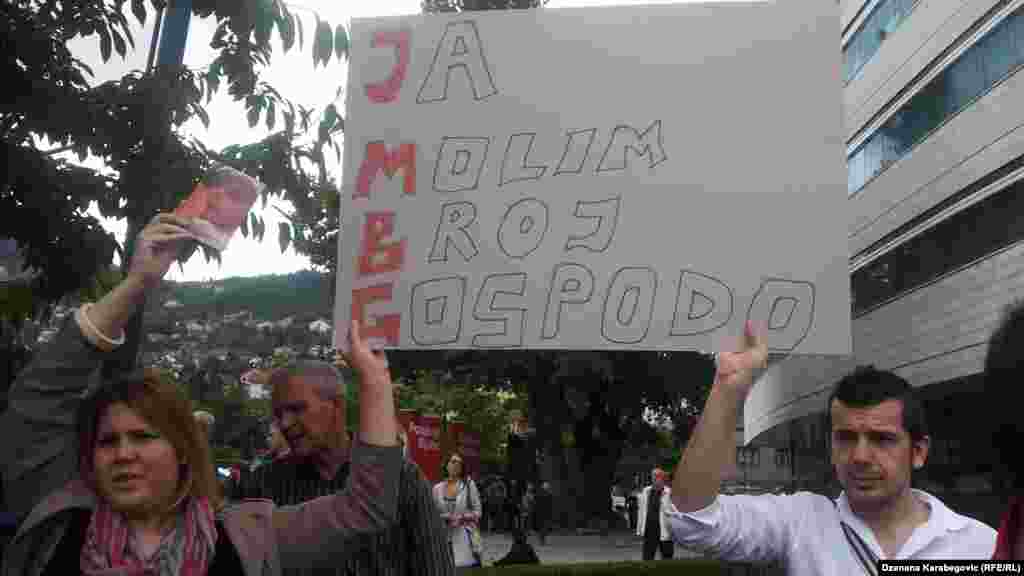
x=740 y=528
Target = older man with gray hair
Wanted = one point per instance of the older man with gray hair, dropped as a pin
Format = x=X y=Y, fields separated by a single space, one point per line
x=309 y=400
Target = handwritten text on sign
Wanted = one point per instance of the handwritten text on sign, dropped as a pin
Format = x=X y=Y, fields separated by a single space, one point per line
x=574 y=179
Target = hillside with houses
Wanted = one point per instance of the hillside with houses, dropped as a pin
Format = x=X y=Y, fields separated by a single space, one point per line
x=245 y=318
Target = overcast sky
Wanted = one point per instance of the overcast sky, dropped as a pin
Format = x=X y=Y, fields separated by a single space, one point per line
x=294 y=76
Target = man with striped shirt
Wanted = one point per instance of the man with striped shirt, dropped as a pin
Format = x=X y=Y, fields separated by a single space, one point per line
x=309 y=408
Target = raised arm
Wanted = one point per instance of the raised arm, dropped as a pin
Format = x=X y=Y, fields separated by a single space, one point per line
x=317 y=534
x=712 y=445
x=738 y=528
x=39 y=424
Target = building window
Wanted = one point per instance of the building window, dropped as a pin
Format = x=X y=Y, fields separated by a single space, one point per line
x=994 y=57
x=880 y=24
x=783 y=459
x=969 y=235
x=747 y=456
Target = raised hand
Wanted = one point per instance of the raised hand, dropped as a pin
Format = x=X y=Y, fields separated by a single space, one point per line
x=362 y=358
x=378 y=422
x=157 y=247
x=736 y=369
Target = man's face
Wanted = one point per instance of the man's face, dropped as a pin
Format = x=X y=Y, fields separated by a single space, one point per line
x=658 y=480
x=872 y=452
x=307 y=421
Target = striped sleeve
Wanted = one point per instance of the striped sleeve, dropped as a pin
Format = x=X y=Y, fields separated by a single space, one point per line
x=429 y=551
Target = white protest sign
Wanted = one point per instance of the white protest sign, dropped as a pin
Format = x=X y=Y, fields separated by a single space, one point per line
x=642 y=177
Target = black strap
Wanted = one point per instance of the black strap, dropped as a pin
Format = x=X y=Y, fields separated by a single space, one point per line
x=867 y=558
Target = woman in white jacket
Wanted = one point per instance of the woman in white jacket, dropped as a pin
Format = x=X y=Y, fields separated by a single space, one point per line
x=458 y=500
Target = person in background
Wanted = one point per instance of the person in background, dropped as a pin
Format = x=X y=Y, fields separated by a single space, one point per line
x=308 y=398
x=543 y=506
x=115 y=477
x=1004 y=372
x=879 y=437
x=496 y=503
x=513 y=500
x=651 y=522
x=633 y=507
x=526 y=510
x=458 y=502
x=8 y=523
x=520 y=553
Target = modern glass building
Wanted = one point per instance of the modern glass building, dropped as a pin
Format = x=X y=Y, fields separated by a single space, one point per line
x=933 y=106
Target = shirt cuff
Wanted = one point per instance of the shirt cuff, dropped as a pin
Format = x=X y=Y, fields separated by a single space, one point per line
x=708 y=515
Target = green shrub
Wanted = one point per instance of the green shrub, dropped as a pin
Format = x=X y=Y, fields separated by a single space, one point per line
x=687 y=567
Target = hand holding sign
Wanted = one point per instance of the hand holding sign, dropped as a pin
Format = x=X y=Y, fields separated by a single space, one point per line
x=364 y=356
x=736 y=369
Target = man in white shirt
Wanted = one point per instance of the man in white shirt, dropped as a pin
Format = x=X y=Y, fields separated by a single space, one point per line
x=651 y=522
x=878 y=437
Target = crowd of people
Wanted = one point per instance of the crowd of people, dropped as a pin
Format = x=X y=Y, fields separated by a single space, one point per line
x=114 y=476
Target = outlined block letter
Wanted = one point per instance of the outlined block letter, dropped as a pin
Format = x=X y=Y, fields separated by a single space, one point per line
x=459 y=49
x=626 y=139
x=606 y=212
x=453 y=229
x=703 y=304
x=785 y=310
x=435 y=308
x=510 y=314
x=523 y=228
x=570 y=284
x=629 y=305
x=460 y=162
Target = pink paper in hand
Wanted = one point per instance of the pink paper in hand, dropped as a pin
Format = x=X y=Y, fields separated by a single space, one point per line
x=218 y=205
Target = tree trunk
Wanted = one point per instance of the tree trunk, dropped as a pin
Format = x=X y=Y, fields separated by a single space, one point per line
x=600 y=439
x=548 y=410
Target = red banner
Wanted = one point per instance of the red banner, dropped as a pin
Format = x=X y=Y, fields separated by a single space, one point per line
x=426 y=445
x=471 y=452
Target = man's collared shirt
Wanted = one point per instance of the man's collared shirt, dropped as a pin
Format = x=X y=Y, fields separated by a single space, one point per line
x=416 y=546
x=802 y=532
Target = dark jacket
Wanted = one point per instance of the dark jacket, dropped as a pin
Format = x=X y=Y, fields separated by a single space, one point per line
x=40 y=476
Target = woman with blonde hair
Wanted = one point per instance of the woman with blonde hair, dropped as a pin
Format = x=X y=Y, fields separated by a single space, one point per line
x=458 y=500
x=142 y=497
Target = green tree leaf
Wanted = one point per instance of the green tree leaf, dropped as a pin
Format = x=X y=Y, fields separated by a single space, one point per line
x=286 y=27
x=105 y=45
x=324 y=41
x=139 y=10
x=271 y=115
x=284 y=235
x=340 y=41
x=119 y=43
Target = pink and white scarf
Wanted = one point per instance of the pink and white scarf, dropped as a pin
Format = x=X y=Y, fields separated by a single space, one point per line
x=188 y=550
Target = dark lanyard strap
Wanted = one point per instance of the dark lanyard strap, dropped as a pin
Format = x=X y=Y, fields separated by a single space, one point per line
x=867 y=558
